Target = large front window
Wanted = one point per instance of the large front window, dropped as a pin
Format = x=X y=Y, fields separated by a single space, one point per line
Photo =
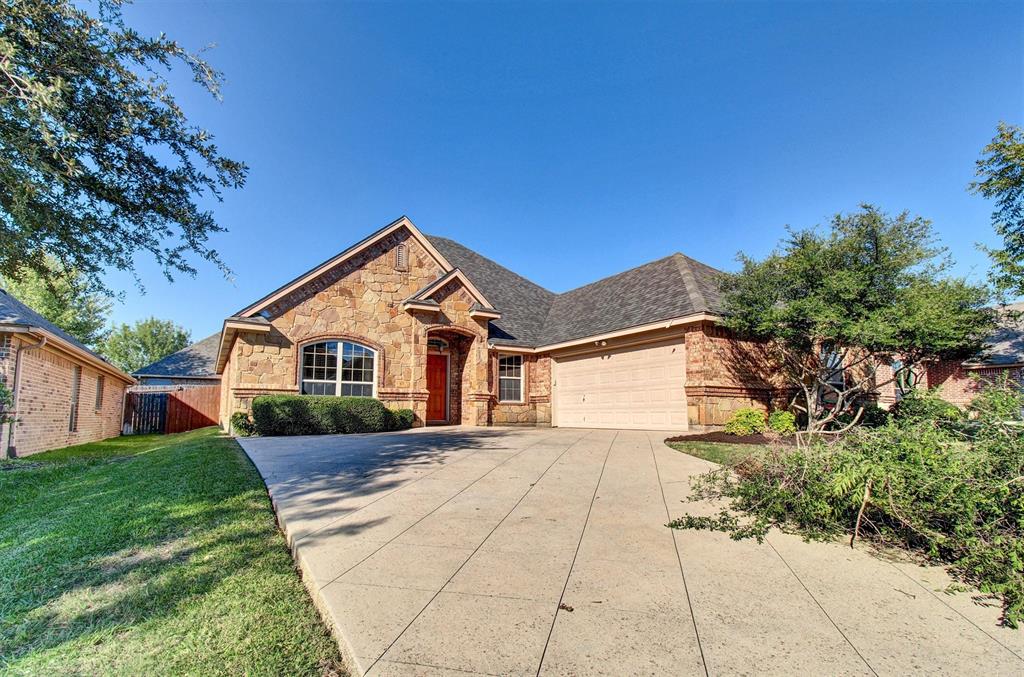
x=510 y=378
x=322 y=374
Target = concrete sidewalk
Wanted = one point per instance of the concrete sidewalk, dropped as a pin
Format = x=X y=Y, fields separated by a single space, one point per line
x=533 y=551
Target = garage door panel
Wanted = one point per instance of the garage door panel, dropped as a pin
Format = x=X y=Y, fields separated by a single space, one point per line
x=639 y=388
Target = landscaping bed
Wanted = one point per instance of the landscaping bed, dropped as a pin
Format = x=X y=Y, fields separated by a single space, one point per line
x=167 y=561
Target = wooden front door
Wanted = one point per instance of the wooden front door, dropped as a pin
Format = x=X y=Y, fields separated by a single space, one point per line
x=437 y=386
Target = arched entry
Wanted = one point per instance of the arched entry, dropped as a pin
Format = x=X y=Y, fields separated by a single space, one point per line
x=447 y=349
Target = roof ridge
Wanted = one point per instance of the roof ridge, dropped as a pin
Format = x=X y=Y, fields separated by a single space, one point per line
x=489 y=260
x=683 y=262
x=614 y=275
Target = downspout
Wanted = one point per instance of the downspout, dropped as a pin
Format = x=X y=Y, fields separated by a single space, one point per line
x=10 y=451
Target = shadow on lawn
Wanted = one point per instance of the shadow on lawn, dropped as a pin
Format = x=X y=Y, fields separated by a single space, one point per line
x=101 y=547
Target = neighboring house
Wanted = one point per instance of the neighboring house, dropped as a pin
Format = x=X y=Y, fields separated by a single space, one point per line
x=64 y=393
x=958 y=381
x=425 y=323
x=194 y=365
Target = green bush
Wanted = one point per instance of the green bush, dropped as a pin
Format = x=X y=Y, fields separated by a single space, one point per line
x=325 y=415
x=746 y=421
x=924 y=405
x=873 y=416
x=782 y=422
x=912 y=483
x=242 y=425
x=403 y=418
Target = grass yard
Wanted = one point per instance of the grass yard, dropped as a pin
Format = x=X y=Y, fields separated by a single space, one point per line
x=155 y=554
x=716 y=452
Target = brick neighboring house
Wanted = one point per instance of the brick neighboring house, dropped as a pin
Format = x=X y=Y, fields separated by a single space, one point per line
x=194 y=365
x=958 y=381
x=425 y=323
x=64 y=393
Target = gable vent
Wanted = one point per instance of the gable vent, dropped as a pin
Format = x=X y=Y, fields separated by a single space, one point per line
x=401 y=257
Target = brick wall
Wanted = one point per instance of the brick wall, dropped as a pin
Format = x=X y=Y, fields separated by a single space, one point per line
x=958 y=385
x=43 y=407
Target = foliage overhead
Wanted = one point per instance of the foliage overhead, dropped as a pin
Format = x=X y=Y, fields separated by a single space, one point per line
x=63 y=297
x=952 y=492
x=1000 y=172
x=98 y=163
x=833 y=307
x=145 y=342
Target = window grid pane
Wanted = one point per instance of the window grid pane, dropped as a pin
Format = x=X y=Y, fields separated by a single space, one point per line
x=322 y=375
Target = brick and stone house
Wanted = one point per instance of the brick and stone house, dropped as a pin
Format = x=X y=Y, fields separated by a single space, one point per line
x=194 y=365
x=63 y=392
x=958 y=381
x=425 y=323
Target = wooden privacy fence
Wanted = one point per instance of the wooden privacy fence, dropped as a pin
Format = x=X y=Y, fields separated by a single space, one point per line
x=170 y=409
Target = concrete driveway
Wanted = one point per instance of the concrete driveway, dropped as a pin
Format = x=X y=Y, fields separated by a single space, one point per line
x=543 y=551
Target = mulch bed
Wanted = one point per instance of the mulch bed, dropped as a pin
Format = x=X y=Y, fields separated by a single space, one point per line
x=719 y=436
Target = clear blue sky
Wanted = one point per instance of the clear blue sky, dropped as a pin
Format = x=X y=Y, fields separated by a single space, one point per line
x=573 y=141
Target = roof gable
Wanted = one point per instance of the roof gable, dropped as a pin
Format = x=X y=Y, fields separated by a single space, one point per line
x=338 y=259
x=453 y=275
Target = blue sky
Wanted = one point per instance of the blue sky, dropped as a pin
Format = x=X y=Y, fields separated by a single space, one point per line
x=573 y=141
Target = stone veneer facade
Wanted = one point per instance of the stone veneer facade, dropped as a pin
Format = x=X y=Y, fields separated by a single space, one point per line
x=43 y=406
x=360 y=300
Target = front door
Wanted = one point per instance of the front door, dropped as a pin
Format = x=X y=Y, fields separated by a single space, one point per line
x=437 y=387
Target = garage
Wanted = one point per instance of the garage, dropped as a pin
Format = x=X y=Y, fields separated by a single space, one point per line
x=634 y=387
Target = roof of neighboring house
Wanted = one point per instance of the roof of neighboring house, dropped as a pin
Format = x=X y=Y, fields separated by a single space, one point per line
x=15 y=313
x=1005 y=346
x=195 y=361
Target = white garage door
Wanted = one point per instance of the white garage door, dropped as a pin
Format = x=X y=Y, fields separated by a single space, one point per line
x=641 y=388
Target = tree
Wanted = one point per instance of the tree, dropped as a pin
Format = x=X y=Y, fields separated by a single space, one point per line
x=63 y=297
x=1001 y=178
x=833 y=308
x=145 y=342
x=98 y=163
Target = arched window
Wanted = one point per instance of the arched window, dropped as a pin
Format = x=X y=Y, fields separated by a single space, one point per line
x=323 y=374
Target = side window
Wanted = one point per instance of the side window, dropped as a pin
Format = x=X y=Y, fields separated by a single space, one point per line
x=76 y=388
x=510 y=378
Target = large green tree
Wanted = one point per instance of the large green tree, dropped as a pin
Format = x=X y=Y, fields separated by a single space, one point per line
x=1000 y=172
x=132 y=347
x=63 y=297
x=836 y=308
x=98 y=163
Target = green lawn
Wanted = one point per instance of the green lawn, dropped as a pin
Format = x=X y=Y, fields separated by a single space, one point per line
x=155 y=554
x=717 y=452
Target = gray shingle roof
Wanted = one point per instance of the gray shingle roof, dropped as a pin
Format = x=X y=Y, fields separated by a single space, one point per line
x=197 y=360
x=532 y=316
x=13 y=311
x=523 y=305
x=660 y=290
x=1005 y=346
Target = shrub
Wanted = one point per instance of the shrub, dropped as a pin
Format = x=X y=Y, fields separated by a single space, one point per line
x=320 y=415
x=923 y=405
x=746 y=421
x=873 y=416
x=242 y=425
x=782 y=422
x=910 y=483
x=402 y=418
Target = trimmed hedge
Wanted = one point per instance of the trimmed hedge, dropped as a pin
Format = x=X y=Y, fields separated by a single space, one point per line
x=275 y=415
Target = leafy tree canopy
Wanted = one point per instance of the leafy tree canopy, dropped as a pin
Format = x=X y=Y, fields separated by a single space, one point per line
x=63 y=297
x=98 y=163
x=867 y=291
x=133 y=347
x=1000 y=172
